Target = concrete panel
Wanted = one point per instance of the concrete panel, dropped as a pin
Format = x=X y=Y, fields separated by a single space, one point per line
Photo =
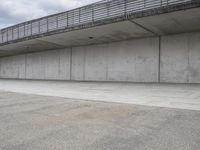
x=180 y=58
x=57 y=64
x=49 y=65
x=64 y=64
x=42 y=65
x=194 y=57
x=52 y=65
x=78 y=63
x=96 y=62
x=35 y=66
x=119 y=61
x=13 y=67
x=135 y=60
x=174 y=58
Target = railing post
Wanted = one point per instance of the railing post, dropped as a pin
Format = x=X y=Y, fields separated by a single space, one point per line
x=39 y=26
x=18 y=32
x=67 y=19
x=73 y=18
x=12 y=34
x=56 y=22
x=7 y=34
x=107 y=8
x=2 y=37
x=125 y=6
x=47 y=25
x=31 y=29
x=24 y=29
x=92 y=13
x=79 y=15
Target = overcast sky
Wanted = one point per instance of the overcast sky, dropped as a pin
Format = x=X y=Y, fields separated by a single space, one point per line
x=16 y=11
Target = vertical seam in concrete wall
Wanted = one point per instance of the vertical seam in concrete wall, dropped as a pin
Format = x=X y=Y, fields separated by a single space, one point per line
x=18 y=71
x=159 y=59
x=84 y=59
x=107 y=64
x=25 y=72
x=43 y=62
x=70 y=64
x=59 y=66
x=188 y=78
x=0 y=69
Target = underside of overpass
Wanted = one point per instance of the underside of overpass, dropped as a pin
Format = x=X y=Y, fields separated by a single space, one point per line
x=156 y=41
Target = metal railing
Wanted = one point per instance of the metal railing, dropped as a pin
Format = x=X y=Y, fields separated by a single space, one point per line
x=94 y=12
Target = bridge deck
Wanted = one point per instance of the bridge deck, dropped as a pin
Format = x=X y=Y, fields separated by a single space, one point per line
x=103 y=12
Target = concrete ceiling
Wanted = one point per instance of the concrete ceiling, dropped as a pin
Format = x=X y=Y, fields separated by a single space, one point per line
x=164 y=24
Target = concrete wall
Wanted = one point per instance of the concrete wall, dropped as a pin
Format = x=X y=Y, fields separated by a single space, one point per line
x=43 y=65
x=120 y=61
x=134 y=60
x=49 y=65
x=180 y=58
x=12 y=67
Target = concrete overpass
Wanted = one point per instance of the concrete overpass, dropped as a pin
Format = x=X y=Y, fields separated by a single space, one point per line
x=116 y=40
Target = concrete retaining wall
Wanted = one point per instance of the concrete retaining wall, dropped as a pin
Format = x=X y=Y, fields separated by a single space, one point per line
x=180 y=58
x=134 y=60
x=43 y=65
x=12 y=67
x=120 y=61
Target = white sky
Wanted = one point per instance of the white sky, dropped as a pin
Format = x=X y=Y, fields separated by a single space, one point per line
x=16 y=11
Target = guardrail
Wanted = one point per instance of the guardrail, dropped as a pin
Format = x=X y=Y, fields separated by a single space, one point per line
x=94 y=12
